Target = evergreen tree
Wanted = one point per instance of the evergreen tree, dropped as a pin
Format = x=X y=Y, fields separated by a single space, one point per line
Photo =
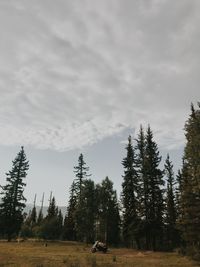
x=69 y=231
x=154 y=182
x=85 y=213
x=179 y=190
x=190 y=195
x=81 y=172
x=50 y=226
x=142 y=186
x=89 y=208
x=52 y=209
x=150 y=192
x=13 y=200
x=108 y=219
x=60 y=224
x=171 y=214
x=40 y=215
x=130 y=198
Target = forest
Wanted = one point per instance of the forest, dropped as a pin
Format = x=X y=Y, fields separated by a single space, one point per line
x=157 y=210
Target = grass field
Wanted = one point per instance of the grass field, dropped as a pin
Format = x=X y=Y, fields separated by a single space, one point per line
x=70 y=254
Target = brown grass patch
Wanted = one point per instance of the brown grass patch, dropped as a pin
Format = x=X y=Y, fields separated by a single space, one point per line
x=72 y=254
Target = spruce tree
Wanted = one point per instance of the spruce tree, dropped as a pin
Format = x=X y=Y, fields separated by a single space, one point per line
x=108 y=219
x=142 y=186
x=171 y=214
x=40 y=215
x=150 y=192
x=50 y=226
x=130 y=198
x=81 y=172
x=89 y=208
x=190 y=195
x=69 y=231
x=154 y=182
x=13 y=200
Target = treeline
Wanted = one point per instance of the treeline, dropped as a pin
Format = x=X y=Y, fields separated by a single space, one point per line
x=157 y=210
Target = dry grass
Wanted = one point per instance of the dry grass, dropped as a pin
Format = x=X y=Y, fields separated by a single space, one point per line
x=69 y=254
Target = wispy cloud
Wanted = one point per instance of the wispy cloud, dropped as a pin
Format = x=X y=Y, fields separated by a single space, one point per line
x=75 y=72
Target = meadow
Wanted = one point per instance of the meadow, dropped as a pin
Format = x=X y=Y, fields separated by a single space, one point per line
x=71 y=254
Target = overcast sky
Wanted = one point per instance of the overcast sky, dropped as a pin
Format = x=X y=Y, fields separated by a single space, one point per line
x=80 y=76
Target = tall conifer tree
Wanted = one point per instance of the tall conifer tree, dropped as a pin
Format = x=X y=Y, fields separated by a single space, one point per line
x=130 y=198
x=171 y=214
x=13 y=200
x=81 y=172
x=69 y=231
x=154 y=182
x=190 y=196
x=108 y=213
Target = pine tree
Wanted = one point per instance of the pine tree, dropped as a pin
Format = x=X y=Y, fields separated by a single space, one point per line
x=81 y=172
x=179 y=190
x=130 y=198
x=190 y=195
x=154 y=182
x=69 y=231
x=89 y=208
x=40 y=215
x=52 y=209
x=13 y=200
x=142 y=186
x=50 y=226
x=171 y=214
x=150 y=192
x=108 y=213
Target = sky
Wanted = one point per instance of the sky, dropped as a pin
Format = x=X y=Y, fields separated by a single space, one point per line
x=80 y=76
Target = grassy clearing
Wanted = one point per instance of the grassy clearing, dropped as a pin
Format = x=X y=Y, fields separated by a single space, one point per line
x=69 y=254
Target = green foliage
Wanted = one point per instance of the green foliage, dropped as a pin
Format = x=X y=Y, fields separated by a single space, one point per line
x=130 y=201
x=171 y=212
x=13 y=200
x=81 y=172
x=108 y=219
x=189 y=219
x=69 y=231
x=150 y=192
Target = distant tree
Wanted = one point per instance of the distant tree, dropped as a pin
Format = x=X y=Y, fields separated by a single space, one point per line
x=29 y=222
x=50 y=226
x=13 y=200
x=189 y=220
x=130 y=198
x=52 y=209
x=171 y=214
x=40 y=215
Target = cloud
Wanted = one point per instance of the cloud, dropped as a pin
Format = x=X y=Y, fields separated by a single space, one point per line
x=73 y=73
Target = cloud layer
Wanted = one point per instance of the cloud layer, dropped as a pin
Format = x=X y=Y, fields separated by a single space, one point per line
x=75 y=72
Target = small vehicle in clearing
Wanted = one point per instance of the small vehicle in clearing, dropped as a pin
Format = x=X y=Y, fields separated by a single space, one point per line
x=99 y=246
